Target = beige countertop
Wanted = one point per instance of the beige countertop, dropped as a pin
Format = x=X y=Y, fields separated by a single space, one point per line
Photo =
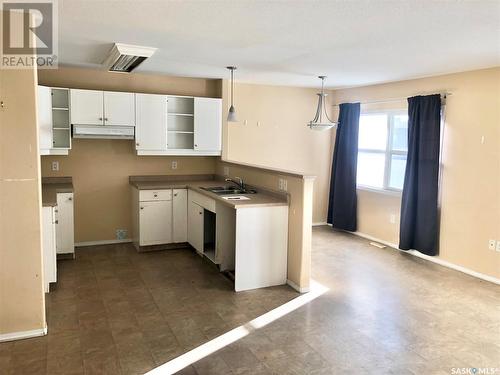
x=260 y=199
x=53 y=185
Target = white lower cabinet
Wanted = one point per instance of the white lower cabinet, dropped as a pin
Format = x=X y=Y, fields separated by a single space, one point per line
x=160 y=216
x=179 y=215
x=49 y=247
x=195 y=226
x=65 y=238
x=155 y=222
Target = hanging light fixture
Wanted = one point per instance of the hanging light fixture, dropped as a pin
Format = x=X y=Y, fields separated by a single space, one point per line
x=321 y=120
x=231 y=115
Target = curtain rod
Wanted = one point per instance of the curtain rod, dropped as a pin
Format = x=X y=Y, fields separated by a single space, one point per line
x=443 y=94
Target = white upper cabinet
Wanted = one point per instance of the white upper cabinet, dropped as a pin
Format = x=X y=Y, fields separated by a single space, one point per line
x=53 y=113
x=119 y=108
x=87 y=107
x=207 y=124
x=193 y=126
x=151 y=122
x=91 y=107
x=44 y=109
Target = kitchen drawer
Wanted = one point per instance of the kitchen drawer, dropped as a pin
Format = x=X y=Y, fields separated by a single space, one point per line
x=155 y=195
x=203 y=201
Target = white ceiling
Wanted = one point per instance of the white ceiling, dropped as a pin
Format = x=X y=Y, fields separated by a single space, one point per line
x=288 y=42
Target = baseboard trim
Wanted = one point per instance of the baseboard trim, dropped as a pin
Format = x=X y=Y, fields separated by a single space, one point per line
x=319 y=224
x=296 y=287
x=439 y=261
x=103 y=242
x=23 y=334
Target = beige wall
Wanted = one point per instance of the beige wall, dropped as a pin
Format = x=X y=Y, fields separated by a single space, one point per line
x=94 y=79
x=272 y=132
x=22 y=304
x=100 y=171
x=100 y=168
x=300 y=192
x=470 y=212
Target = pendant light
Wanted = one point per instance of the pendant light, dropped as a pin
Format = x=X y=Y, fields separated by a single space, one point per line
x=321 y=120
x=231 y=115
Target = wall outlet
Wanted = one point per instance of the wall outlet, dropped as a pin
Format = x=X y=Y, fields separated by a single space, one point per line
x=55 y=166
x=226 y=171
x=492 y=244
x=282 y=184
x=392 y=218
x=121 y=234
x=174 y=164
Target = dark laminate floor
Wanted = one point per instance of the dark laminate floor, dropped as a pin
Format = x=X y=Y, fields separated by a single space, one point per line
x=116 y=311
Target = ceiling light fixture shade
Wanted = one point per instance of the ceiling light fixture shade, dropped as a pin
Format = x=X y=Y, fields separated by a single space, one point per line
x=321 y=120
x=231 y=115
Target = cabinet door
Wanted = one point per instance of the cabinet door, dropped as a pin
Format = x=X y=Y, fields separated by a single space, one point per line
x=195 y=226
x=179 y=221
x=65 y=240
x=119 y=108
x=207 y=124
x=44 y=112
x=155 y=222
x=151 y=122
x=87 y=107
x=49 y=247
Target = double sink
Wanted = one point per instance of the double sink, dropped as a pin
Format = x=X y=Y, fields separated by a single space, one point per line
x=229 y=190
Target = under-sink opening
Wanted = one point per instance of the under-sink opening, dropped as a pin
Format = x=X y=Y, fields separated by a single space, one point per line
x=209 y=235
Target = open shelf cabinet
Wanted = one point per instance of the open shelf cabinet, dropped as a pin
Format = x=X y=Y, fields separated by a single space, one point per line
x=61 y=126
x=180 y=123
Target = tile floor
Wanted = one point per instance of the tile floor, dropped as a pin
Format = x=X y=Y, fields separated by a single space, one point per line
x=118 y=312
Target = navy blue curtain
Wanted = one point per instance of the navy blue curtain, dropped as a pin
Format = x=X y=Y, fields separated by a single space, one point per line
x=342 y=205
x=419 y=206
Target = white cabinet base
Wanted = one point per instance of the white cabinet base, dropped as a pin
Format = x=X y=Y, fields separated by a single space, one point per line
x=49 y=247
x=155 y=223
x=261 y=247
x=65 y=238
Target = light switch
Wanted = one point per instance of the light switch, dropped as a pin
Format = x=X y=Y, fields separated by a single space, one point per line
x=55 y=166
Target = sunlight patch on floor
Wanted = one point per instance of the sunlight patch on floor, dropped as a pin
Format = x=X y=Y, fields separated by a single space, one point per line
x=204 y=350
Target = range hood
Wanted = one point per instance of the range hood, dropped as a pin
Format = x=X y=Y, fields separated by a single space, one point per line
x=103 y=132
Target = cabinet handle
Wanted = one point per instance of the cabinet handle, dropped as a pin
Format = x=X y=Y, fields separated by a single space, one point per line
x=56 y=211
x=195 y=145
x=56 y=222
x=100 y=118
x=70 y=199
x=105 y=119
x=142 y=208
x=175 y=194
x=155 y=195
x=200 y=213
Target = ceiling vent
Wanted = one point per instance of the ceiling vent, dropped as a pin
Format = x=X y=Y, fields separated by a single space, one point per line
x=125 y=57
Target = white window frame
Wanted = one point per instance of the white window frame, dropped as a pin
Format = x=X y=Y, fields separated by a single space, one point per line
x=388 y=152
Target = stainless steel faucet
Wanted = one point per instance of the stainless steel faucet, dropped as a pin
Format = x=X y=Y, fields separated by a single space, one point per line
x=240 y=182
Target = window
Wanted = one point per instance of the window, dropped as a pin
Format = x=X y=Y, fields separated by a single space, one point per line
x=382 y=150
